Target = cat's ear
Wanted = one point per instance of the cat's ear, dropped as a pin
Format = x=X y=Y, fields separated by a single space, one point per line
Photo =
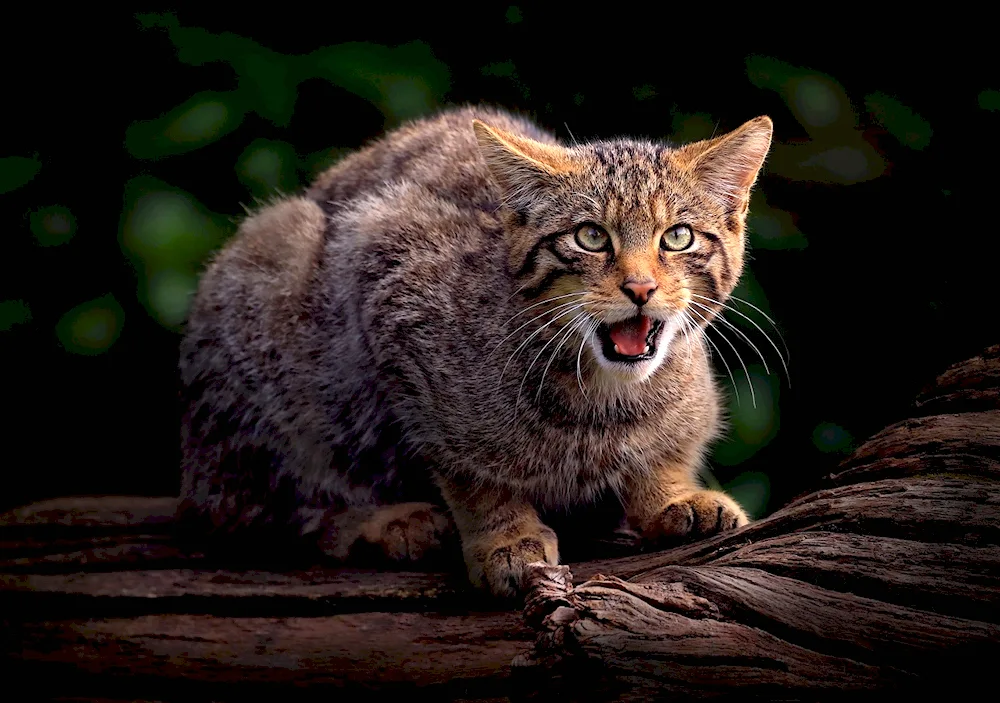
x=728 y=165
x=521 y=166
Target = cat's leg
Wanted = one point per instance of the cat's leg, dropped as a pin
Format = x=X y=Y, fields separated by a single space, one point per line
x=668 y=504
x=500 y=536
x=397 y=532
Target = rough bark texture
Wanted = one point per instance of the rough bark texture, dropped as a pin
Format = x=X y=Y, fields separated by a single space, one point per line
x=887 y=578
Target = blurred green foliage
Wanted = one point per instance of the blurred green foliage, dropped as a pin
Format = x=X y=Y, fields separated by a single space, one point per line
x=403 y=82
x=12 y=313
x=197 y=122
x=168 y=234
x=829 y=437
x=836 y=151
x=242 y=131
x=52 y=225
x=267 y=167
x=91 y=327
x=900 y=121
x=989 y=100
x=15 y=171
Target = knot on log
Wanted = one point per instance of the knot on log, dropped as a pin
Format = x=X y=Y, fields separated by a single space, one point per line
x=547 y=589
x=549 y=609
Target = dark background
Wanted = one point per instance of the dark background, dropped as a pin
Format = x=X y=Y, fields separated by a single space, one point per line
x=133 y=143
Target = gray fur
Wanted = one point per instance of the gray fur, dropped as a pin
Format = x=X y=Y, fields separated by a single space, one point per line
x=338 y=352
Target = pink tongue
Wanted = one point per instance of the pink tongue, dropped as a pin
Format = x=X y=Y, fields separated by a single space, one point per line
x=630 y=335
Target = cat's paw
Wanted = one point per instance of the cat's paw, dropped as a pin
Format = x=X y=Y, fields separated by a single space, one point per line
x=501 y=564
x=399 y=532
x=698 y=514
x=407 y=531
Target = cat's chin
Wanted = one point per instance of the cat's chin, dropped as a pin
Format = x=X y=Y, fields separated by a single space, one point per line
x=630 y=369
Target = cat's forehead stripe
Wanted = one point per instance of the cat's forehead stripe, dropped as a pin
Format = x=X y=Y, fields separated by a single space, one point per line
x=635 y=186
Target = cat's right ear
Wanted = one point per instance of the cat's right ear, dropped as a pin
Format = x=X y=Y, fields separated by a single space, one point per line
x=521 y=167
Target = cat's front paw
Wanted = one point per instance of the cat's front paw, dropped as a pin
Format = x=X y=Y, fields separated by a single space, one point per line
x=396 y=532
x=697 y=514
x=500 y=562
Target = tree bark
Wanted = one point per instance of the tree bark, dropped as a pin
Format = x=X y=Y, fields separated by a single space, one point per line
x=886 y=578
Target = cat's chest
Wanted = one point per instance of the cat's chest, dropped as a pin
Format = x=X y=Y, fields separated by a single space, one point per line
x=576 y=465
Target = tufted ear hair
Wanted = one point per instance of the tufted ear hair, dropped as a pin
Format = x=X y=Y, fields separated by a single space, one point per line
x=727 y=166
x=520 y=166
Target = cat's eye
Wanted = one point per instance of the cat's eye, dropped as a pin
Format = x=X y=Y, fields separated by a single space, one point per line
x=677 y=238
x=592 y=238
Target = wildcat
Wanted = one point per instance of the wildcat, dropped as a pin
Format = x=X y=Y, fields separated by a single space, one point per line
x=461 y=325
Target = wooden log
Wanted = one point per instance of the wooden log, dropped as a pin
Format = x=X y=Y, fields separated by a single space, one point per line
x=226 y=657
x=886 y=578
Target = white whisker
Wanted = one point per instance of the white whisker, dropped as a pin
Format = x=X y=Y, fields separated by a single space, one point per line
x=583 y=342
x=540 y=302
x=566 y=125
x=767 y=317
x=518 y=291
x=555 y=352
x=753 y=395
x=768 y=338
x=729 y=371
x=522 y=345
x=685 y=323
x=539 y=355
x=537 y=317
x=738 y=331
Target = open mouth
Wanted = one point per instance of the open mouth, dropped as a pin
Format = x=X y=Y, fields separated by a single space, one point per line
x=630 y=340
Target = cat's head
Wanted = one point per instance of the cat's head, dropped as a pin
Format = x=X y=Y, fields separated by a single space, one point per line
x=638 y=242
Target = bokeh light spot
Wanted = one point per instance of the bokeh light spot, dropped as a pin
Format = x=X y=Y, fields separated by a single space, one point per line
x=266 y=167
x=815 y=101
x=406 y=97
x=13 y=313
x=16 y=171
x=168 y=295
x=501 y=69
x=909 y=128
x=847 y=163
x=753 y=419
x=168 y=234
x=829 y=437
x=990 y=100
x=92 y=327
x=53 y=225
x=199 y=122
x=644 y=92
x=692 y=127
x=165 y=225
x=752 y=490
x=771 y=228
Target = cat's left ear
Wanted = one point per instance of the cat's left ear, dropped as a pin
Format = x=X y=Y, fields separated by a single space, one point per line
x=521 y=166
x=728 y=165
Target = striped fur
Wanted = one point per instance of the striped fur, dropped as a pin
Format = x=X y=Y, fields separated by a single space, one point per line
x=349 y=369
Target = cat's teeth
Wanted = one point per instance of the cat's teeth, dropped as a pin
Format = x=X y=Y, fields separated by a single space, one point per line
x=617 y=350
x=646 y=350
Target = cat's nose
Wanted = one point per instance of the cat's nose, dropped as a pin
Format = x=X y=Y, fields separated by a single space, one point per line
x=639 y=292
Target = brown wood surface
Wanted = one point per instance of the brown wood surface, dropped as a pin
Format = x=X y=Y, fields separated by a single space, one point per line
x=887 y=578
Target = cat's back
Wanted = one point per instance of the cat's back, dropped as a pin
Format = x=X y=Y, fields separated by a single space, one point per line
x=268 y=267
x=437 y=153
